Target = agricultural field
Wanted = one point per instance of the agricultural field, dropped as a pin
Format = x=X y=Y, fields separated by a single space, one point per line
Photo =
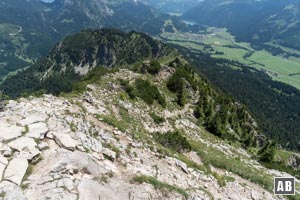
x=284 y=67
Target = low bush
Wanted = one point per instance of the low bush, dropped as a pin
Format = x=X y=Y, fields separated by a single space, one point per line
x=154 y=67
x=173 y=140
x=157 y=119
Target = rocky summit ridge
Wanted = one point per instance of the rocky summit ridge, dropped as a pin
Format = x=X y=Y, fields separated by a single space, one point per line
x=101 y=144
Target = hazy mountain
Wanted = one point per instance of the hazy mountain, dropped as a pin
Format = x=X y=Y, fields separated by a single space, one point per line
x=172 y=6
x=254 y=21
x=29 y=29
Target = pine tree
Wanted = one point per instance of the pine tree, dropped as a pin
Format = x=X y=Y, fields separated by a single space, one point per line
x=267 y=152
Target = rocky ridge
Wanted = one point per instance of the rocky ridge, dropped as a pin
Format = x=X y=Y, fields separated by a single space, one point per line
x=76 y=147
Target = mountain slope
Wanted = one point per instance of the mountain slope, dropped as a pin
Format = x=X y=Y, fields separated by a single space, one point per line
x=76 y=55
x=148 y=126
x=106 y=144
x=29 y=29
x=253 y=21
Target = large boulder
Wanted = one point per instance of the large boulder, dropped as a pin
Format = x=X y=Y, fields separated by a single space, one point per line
x=294 y=161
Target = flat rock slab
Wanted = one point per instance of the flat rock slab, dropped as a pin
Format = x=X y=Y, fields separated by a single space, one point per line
x=89 y=190
x=26 y=146
x=16 y=170
x=79 y=161
x=11 y=191
x=8 y=132
x=65 y=141
x=22 y=143
x=32 y=118
x=37 y=130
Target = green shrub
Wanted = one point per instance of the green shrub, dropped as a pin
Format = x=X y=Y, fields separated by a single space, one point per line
x=157 y=119
x=128 y=89
x=148 y=92
x=173 y=140
x=177 y=83
x=154 y=67
x=267 y=152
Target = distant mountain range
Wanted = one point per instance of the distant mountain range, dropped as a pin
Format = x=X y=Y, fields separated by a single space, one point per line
x=253 y=21
x=172 y=6
x=29 y=29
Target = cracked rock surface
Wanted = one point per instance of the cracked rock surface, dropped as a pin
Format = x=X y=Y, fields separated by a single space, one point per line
x=58 y=148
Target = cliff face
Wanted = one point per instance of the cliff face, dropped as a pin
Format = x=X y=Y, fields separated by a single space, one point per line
x=102 y=144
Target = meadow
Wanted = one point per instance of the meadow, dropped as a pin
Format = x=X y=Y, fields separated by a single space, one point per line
x=284 y=67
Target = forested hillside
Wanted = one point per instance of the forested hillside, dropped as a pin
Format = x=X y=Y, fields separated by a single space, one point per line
x=253 y=21
x=76 y=55
x=275 y=105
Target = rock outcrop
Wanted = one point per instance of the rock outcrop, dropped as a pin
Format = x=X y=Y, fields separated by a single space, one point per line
x=69 y=148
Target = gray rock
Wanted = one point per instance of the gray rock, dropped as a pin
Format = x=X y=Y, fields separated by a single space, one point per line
x=77 y=161
x=34 y=117
x=110 y=154
x=182 y=165
x=89 y=98
x=65 y=141
x=43 y=146
x=11 y=191
x=37 y=130
x=294 y=161
x=22 y=143
x=89 y=190
x=26 y=146
x=16 y=170
x=90 y=142
x=5 y=150
x=9 y=132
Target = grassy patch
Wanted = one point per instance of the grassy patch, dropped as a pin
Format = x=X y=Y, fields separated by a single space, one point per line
x=218 y=159
x=26 y=130
x=159 y=185
x=120 y=124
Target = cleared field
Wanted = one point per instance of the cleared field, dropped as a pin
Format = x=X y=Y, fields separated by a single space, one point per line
x=8 y=28
x=223 y=45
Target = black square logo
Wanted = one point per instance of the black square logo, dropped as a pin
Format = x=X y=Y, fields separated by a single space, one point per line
x=284 y=186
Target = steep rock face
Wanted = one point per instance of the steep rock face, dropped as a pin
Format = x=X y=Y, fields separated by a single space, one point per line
x=100 y=146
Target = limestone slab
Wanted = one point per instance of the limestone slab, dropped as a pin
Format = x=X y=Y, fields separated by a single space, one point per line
x=22 y=143
x=8 y=132
x=16 y=170
x=65 y=141
x=37 y=130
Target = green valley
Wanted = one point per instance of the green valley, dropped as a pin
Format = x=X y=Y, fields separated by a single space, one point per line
x=220 y=44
